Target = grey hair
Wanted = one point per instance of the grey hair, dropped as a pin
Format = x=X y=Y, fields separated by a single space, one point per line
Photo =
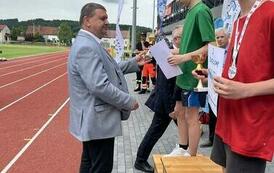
x=222 y=29
x=177 y=30
x=89 y=10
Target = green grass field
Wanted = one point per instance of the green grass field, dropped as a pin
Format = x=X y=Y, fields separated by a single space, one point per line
x=11 y=51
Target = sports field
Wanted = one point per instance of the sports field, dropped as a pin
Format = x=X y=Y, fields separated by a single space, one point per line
x=11 y=51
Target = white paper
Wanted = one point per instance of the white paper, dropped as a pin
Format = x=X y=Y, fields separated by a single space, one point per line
x=160 y=51
x=216 y=59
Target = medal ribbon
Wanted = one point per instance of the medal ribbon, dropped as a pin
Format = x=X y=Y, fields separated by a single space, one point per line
x=237 y=44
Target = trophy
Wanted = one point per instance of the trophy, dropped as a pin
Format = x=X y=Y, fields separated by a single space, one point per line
x=199 y=60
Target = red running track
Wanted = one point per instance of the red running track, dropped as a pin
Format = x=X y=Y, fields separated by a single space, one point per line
x=30 y=69
x=62 y=154
x=34 y=133
x=21 y=61
x=26 y=63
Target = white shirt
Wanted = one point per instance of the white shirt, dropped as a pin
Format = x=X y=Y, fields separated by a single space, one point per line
x=174 y=47
x=96 y=38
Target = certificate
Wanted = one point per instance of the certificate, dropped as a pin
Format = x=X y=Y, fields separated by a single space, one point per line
x=160 y=51
x=216 y=59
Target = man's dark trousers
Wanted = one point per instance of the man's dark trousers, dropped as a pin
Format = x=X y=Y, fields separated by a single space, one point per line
x=157 y=128
x=97 y=156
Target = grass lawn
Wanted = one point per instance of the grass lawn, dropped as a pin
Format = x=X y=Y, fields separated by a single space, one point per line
x=11 y=51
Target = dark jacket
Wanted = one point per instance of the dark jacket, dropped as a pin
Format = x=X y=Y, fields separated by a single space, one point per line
x=161 y=98
x=140 y=47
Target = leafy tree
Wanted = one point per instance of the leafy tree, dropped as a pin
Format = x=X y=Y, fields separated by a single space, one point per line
x=65 y=33
x=38 y=38
x=17 y=31
x=73 y=25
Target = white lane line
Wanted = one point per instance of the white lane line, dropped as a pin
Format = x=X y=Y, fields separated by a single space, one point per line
x=35 y=74
x=20 y=153
x=37 y=89
x=32 y=67
x=29 y=58
x=29 y=62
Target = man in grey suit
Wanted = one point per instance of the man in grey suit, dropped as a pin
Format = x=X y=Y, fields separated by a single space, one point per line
x=99 y=98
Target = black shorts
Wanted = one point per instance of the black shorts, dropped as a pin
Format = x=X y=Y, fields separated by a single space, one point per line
x=235 y=163
x=177 y=93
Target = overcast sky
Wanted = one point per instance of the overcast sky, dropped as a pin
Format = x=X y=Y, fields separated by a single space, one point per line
x=70 y=9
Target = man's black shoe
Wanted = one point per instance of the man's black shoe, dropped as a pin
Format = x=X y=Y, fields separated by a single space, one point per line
x=206 y=144
x=143 y=166
x=143 y=91
x=138 y=88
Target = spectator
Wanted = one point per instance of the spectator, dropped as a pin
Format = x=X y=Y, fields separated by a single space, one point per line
x=140 y=46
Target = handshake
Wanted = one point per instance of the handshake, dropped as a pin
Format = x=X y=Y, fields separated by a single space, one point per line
x=143 y=57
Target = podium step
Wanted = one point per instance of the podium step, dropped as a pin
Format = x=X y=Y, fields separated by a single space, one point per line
x=158 y=165
x=179 y=164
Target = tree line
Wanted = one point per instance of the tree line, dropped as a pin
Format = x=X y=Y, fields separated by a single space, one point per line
x=67 y=28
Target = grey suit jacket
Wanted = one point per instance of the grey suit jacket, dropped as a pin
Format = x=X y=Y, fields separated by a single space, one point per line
x=99 y=97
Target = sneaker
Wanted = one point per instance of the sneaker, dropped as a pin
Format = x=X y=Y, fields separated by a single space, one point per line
x=177 y=151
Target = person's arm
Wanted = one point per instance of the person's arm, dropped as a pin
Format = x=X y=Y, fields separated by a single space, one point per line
x=92 y=72
x=129 y=66
x=132 y=65
x=178 y=59
x=237 y=90
x=205 y=24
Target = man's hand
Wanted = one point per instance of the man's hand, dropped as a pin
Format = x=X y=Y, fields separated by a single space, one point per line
x=135 y=106
x=202 y=75
x=141 y=60
x=177 y=59
x=174 y=115
x=230 y=89
x=177 y=110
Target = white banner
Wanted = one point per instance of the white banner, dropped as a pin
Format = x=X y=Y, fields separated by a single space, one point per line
x=119 y=41
x=231 y=11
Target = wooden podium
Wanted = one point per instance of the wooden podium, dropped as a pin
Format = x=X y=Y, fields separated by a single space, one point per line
x=180 y=164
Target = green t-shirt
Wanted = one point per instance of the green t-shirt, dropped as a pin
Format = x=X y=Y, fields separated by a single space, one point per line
x=198 y=31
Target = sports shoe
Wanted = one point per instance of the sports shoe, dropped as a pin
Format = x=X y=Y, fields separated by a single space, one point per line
x=177 y=151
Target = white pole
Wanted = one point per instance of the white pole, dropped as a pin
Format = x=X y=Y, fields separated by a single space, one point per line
x=153 y=23
x=133 y=34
